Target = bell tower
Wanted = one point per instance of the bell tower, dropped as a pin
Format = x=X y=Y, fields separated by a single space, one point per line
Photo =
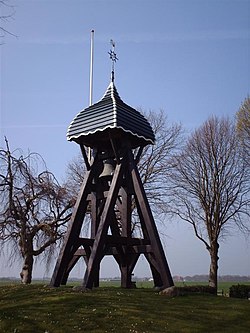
x=112 y=196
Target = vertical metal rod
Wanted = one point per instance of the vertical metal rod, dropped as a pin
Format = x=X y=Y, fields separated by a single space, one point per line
x=91 y=78
x=91 y=68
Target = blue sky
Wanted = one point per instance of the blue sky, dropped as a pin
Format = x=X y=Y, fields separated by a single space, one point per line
x=190 y=58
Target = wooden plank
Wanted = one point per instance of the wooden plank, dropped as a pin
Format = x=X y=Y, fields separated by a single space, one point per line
x=114 y=226
x=116 y=240
x=86 y=241
x=126 y=268
x=115 y=151
x=80 y=252
x=112 y=250
x=85 y=157
x=126 y=212
x=145 y=231
x=157 y=276
x=101 y=234
x=70 y=266
x=93 y=205
x=116 y=234
x=152 y=261
x=74 y=229
x=138 y=155
x=148 y=219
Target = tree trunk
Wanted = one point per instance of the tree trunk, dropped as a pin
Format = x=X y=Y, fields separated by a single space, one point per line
x=213 y=272
x=26 y=273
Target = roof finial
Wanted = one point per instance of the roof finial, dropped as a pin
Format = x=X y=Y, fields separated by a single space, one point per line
x=113 y=57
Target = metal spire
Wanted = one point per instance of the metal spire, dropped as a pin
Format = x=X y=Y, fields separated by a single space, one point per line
x=113 y=57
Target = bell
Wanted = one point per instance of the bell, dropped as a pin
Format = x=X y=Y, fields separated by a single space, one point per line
x=108 y=168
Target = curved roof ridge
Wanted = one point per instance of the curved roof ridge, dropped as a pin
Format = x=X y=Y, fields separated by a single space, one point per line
x=113 y=91
x=110 y=127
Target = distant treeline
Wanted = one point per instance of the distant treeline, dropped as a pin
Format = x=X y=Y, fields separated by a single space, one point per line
x=176 y=278
x=204 y=278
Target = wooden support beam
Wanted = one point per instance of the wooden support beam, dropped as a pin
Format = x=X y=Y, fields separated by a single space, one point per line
x=86 y=241
x=116 y=240
x=112 y=250
x=158 y=282
x=125 y=209
x=148 y=219
x=99 y=242
x=74 y=228
x=94 y=213
x=118 y=161
x=85 y=157
x=70 y=266
x=138 y=155
x=126 y=267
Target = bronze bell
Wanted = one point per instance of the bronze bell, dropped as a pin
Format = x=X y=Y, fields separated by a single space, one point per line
x=108 y=168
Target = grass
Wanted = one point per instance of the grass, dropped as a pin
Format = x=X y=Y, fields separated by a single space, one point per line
x=222 y=286
x=38 y=308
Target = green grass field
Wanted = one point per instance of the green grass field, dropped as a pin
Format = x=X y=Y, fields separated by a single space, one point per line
x=223 y=286
x=38 y=308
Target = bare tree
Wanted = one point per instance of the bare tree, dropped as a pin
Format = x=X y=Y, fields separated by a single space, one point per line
x=154 y=163
x=210 y=185
x=34 y=208
x=243 y=127
x=7 y=12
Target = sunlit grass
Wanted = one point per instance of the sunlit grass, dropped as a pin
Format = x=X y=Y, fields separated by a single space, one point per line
x=38 y=308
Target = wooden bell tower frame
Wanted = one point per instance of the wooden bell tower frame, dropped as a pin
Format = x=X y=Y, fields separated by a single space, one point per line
x=116 y=134
x=109 y=202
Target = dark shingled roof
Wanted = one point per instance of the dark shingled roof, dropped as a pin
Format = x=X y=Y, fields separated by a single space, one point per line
x=110 y=116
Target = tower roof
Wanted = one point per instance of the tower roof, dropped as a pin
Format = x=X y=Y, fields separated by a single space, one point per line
x=110 y=116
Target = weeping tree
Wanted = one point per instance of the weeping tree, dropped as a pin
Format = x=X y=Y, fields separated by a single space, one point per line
x=153 y=166
x=210 y=185
x=34 y=209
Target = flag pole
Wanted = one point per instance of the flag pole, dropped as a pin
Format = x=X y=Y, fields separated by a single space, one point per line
x=91 y=79
x=91 y=67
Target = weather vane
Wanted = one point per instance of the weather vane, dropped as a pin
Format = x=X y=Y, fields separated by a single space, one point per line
x=113 y=57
